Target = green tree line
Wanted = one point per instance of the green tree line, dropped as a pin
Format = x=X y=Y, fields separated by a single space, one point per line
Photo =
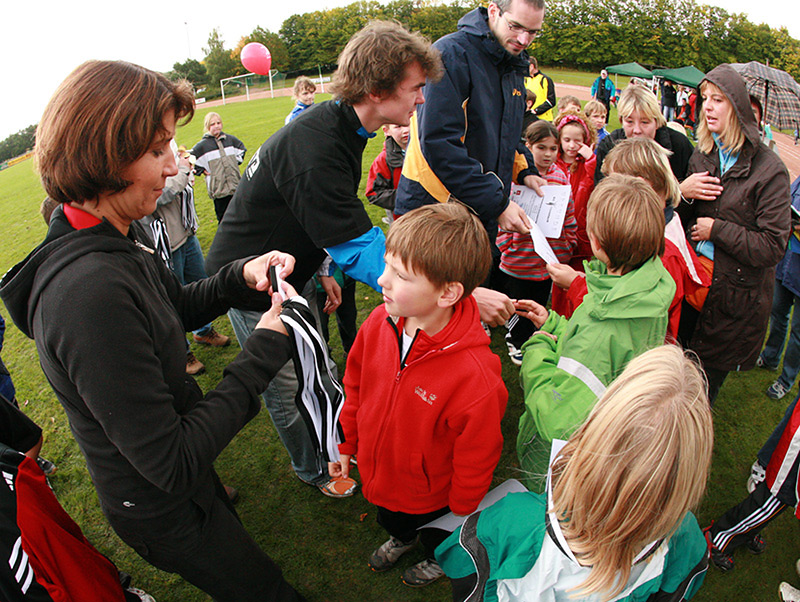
x=316 y=38
x=17 y=144
x=587 y=34
x=666 y=33
x=578 y=33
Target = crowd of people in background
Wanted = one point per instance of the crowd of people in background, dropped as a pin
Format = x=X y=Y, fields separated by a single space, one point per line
x=663 y=282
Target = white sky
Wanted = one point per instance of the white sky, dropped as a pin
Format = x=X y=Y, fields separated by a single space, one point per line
x=44 y=40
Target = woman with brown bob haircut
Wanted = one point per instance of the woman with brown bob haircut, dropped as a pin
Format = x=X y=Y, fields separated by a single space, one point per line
x=109 y=320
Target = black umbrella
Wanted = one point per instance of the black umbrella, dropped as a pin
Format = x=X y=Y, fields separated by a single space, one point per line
x=777 y=91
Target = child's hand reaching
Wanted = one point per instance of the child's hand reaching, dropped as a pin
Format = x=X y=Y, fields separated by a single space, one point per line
x=340 y=469
x=531 y=310
x=585 y=152
x=562 y=274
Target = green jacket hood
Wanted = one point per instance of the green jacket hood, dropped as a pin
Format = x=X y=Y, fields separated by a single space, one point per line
x=638 y=294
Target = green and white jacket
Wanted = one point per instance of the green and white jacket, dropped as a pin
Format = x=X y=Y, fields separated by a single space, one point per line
x=620 y=318
x=518 y=553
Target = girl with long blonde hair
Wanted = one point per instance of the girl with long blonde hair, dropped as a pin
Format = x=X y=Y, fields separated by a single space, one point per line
x=615 y=522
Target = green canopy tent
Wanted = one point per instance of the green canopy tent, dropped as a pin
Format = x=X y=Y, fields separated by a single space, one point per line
x=631 y=70
x=686 y=76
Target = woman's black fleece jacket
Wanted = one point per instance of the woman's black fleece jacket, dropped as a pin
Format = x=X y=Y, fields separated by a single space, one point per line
x=110 y=321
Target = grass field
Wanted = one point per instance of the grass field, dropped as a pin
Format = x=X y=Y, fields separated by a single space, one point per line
x=322 y=544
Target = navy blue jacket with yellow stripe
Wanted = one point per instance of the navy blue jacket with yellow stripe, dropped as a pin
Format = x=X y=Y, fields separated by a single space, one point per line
x=464 y=139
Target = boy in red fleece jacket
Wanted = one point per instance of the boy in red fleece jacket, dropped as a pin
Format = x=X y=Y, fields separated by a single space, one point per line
x=424 y=395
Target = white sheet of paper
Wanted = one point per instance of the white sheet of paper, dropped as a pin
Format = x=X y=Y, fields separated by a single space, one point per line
x=451 y=522
x=541 y=246
x=547 y=211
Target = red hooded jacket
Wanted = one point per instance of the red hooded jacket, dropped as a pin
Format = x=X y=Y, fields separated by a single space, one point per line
x=582 y=182
x=427 y=433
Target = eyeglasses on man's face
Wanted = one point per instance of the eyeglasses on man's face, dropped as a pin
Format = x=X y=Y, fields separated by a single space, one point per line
x=518 y=29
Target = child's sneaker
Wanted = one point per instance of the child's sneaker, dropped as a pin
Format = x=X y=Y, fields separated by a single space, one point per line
x=339 y=487
x=721 y=560
x=140 y=594
x=48 y=468
x=788 y=593
x=423 y=573
x=776 y=390
x=389 y=553
x=757 y=474
x=513 y=353
x=757 y=545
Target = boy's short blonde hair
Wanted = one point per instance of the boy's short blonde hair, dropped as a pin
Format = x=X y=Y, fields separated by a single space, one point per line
x=631 y=472
x=303 y=84
x=645 y=158
x=626 y=217
x=594 y=106
x=443 y=242
x=643 y=101
x=564 y=101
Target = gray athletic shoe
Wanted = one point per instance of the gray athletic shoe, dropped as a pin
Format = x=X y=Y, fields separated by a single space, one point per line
x=143 y=596
x=757 y=474
x=423 y=573
x=789 y=593
x=389 y=553
x=776 y=390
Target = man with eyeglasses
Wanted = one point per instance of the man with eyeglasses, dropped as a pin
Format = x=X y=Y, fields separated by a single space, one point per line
x=465 y=141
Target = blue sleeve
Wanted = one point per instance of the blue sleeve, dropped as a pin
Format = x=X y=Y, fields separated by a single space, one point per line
x=362 y=257
x=795 y=192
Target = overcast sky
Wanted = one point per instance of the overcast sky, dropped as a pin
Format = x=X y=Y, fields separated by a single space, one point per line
x=44 y=40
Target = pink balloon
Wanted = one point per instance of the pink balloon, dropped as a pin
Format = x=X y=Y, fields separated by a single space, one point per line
x=256 y=58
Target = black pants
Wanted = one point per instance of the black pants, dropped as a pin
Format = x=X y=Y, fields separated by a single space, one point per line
x=404 y=527
x=210 y=549
x=607 y=104
x=220 y=205
x=346 y=314
x=739 y=524
x=686 y=327
x=519 y=288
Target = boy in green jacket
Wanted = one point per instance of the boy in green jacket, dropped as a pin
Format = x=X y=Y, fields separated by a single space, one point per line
x=568 y=363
